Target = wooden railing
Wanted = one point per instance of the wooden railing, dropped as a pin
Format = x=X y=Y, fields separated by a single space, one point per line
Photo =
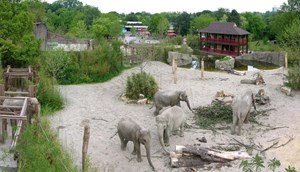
x=210 y=50
x=224 y=41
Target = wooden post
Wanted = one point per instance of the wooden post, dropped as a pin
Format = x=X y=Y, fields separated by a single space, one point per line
x=86 y=137
x=202 y=69
x=286 y=60
x=174 y=70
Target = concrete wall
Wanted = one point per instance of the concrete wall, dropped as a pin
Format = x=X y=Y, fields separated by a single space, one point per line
x=277 y=58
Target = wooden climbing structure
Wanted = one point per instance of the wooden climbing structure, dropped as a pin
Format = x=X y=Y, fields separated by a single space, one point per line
x=18 y=102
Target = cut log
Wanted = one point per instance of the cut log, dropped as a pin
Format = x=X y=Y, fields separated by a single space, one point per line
x=187 y=156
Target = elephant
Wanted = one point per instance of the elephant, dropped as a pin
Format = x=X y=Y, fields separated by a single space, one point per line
x=241 y=106
x=170 y=120
x=129 y=130
x=164 y=98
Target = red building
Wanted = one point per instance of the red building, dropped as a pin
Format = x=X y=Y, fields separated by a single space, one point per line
x=224 y=38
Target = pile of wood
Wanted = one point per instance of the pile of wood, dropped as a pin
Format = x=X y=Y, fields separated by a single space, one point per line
x=193 y=156
x=223 y=97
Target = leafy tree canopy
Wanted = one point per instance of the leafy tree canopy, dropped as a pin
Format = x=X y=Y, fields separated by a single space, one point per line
x=201 y=22
x=234 y=16
x=18 y=47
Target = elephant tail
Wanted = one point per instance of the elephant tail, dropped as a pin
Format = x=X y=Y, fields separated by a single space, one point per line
x=114 y=135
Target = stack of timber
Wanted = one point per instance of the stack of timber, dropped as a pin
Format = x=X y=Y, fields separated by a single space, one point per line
x=193 y=156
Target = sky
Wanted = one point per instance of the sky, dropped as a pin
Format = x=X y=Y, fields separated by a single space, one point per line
x=190 y=6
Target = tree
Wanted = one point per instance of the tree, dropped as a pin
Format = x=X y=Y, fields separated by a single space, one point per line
x=163 y=26
x=78 y=30
x=201 y=22
x=107 y=25
x=255 y=25
x=68 y=3
x=18 y=46
x=291 y=35
x=280 y=21
x=182 y=23
x=131 y=17
x=56 y=62
x=234 y=16
x=219 y=14
x=291 y=6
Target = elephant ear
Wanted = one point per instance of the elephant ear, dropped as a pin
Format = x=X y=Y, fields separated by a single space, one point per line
x=182 y=95
x=142 y=135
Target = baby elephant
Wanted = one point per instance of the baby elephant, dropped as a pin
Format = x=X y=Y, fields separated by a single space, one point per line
x=129 y=130
x=241 y=106
x=170 y=120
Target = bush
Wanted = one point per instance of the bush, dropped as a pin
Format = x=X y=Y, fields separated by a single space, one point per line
x=208 y=116
x=48 y=96
x=141 y=83
x=294 y=67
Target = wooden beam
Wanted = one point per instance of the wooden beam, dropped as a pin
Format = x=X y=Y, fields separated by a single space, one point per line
x=24 y=118
x=8 y=113
x=11 y=107
x=18 y=130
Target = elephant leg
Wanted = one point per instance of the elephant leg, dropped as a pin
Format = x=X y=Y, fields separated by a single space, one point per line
x=234 y=122
x=240 y=123
x=178 y=104
x=123 y=142
x=137 y=150
x=166 y=137
x=247 y=118
x=181 y=134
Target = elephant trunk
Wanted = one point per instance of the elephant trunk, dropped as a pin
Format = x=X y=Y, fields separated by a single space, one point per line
x=188 y=104
x=147 y=147
x=161 y=138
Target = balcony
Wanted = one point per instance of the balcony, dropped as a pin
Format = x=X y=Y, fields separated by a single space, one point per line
x=224 y=41
x=225 y=52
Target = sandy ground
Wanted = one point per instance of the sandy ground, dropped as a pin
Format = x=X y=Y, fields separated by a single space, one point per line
x=99 y=105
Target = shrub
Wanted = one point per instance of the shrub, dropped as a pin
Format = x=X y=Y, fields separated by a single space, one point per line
x=48 y=96
x=141 y=83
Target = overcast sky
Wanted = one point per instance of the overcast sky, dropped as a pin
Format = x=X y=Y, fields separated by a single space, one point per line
x=190 y=6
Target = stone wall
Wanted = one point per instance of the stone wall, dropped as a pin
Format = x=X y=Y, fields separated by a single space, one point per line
x=277 y=58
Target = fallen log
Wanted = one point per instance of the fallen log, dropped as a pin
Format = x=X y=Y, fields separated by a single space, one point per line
x=186 y=156
x=257 y=81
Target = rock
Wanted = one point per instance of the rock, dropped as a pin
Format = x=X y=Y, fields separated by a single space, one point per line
x=182 y=59
x=225 y=65
x=286 y=90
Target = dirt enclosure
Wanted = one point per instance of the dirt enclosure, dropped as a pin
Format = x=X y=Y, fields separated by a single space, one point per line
x=99 y=105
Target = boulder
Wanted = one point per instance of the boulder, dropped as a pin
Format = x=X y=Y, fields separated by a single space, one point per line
x=182 y=59
x=225 y=64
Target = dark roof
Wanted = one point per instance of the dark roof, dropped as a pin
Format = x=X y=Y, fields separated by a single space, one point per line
x=228 y=28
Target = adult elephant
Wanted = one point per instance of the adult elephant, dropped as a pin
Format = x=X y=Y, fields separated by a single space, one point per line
x=129 y=130
x=241 y=106
x=164 y=98
x=170 y=120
